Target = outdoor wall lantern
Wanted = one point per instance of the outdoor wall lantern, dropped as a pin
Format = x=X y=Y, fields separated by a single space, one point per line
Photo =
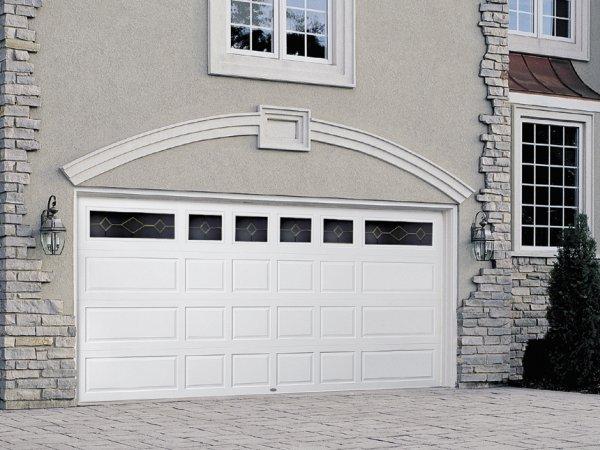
x=52 y=231
x=481 y=237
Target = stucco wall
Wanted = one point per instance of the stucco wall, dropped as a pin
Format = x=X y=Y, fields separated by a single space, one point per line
x=111 y=69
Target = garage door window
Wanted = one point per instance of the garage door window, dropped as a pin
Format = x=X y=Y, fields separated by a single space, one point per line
x=205 y=228
x=295 y=230
x=251 y=229
x=111 y=224
x=338 y=231
x=398 y=233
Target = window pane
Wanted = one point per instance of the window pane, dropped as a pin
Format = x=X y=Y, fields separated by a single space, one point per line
x=556 y=216
x=542 y=155
x=240 y=13
x=135 y=225
x=528 y=194
x=295 y=44
x=556 y=176
x=571 y=134
x=240 y=38
x=251 y=229
x=526 y=23
x=571 y=197
x=307 y=29
x=316 y=46
x=338 y=231
x=556 y=196
x=205 y=228
x=295 y=20
x=528 y=154
x=527 y=236
x=541 y=175
x=556 y=235
x=528 y=132
x=528 y=213
x=262 y=41
x=319 y=5
x=256 y=34
x=262 y=15
x=541 y=134
x=541 y=237
x=556 y=135
x=556 y=156
x=398 y=233
x=542 y=195
x=295 y=230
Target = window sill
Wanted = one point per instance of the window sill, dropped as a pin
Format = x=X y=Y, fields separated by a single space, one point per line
x=525 y=253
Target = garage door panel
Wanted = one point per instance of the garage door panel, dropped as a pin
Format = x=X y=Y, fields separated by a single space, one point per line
x=205 y=275
x=205 y=323
x=386 y=366
x=393 y=321
x=251 y=323
x=131 y=373
x=205 y=371
x=180 y=318
x=338 y=277
x=295 y=276
x=130 y=274
x=130 y=324
x=295 y=322
x=251 y=370
x=251 y=275
x=397 y=277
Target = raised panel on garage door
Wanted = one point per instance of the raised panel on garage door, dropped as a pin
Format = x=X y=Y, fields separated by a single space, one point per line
x=228 y=302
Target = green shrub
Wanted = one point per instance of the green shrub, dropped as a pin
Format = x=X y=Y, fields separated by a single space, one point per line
x=573 y=339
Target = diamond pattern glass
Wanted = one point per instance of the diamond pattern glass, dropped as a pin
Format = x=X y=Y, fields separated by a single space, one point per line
x=205 y=228
x=295 y=230
x=251 y=229
x=111 y=224
x=398 y=233
x=338 y=231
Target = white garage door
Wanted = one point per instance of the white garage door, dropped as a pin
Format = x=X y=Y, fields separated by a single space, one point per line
x=192 y=298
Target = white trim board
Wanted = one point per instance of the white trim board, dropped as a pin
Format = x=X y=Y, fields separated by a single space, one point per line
x=547 y=101
x=122 y=152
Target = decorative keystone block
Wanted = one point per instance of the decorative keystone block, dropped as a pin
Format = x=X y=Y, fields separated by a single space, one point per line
x=284 y=129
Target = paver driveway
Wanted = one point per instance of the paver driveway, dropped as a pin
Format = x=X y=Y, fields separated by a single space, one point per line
x=431 y=418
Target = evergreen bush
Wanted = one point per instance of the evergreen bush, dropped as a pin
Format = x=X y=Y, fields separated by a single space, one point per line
x=573 y=339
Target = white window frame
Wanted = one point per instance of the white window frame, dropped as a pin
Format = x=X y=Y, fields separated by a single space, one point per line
x=582 y=120
x=576 y=47
x=337 y=70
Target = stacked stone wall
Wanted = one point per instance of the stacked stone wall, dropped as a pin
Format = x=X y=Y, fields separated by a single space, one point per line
x=485 y=322
x=37 y=342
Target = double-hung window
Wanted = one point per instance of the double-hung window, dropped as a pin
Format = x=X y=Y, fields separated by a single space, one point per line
x=306 y=41
x=550 y=27
x=552 y=174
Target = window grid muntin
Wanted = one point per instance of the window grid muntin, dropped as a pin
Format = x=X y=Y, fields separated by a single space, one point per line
x=574 y=189
x=306 y=10
x=252 y=27
x=555 y=18
x=518 y=11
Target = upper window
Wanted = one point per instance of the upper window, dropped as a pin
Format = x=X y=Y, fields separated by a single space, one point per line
x=550 y=27
x=306 y=41
x=553 y=173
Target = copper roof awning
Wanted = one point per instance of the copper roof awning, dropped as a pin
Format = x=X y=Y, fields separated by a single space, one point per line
x=547 y=76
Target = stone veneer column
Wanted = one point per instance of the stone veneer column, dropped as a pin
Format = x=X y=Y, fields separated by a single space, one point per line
x=37 y=342
x=485 y=317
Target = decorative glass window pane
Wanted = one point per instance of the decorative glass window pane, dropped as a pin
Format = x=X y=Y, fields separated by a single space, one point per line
x=136 y=225
x=306 y=28
x=295 y=230
x=398 y=233
x=550 y=182
x=338 y=231
x=205 y=228
x=557 y=18
x=251 y=229
x=252 y=25
x=521 y=15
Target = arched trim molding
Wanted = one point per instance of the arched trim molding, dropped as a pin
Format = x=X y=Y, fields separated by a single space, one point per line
x=233 y=125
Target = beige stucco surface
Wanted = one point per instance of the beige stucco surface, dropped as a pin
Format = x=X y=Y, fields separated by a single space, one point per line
x=112 y=69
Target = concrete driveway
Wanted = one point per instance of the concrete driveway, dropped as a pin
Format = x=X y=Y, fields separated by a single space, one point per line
x=431 y=418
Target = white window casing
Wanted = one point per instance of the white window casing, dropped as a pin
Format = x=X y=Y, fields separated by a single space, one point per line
x=585 y=123
x=539 y=43
x=337 y=69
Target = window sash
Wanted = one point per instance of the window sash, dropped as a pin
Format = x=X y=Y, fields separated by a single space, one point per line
x=583 y=168
x=280 y=36
x=538 y=20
